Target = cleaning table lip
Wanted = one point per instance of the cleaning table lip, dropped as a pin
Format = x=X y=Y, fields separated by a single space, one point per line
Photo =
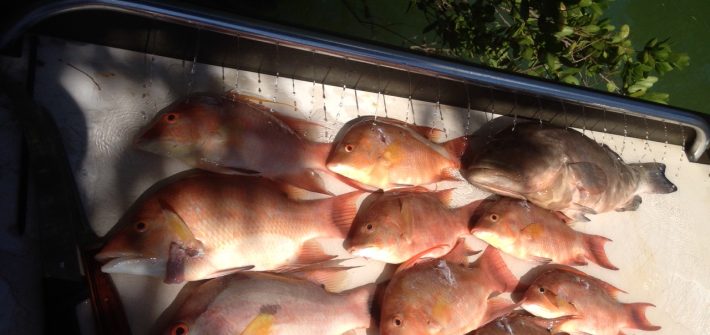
x=232 y=25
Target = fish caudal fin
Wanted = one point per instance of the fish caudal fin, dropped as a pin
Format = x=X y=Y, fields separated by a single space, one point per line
x=637 y=316
x=594 y=245
x=502 y=280
x=343 y=212
x=361 y=299
x=456 y=147
x=653 y=178
x=497 y=307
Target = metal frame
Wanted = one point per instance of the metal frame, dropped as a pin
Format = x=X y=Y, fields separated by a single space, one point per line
x=381 y=56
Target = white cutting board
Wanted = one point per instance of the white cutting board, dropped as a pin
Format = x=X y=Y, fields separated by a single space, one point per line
x=101 y=96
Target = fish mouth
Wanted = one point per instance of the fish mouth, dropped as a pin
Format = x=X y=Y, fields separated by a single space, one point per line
x=154 y=267
x=370 y=252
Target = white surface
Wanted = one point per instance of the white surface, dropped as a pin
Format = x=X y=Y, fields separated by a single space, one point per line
x=660 y=249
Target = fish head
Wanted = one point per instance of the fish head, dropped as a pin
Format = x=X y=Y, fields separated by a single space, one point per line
x=546 y=301
x=141 y=244
x=179 y=129
x=501 y=223
x=361 y=153
x=382 y=230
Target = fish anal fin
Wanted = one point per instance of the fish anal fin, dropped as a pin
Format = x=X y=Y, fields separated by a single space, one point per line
x=590 y=177
x=594 y=246
x=311 y=252
x=636 y=313
x=497 y=307
x=502 y=280
x=307 y=179
x=225 y=272
x=456 y=147
x=260 y=325
x=631 y=205
x=343 y=211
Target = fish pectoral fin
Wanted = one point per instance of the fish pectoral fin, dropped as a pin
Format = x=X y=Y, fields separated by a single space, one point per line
x=459 y=254
x=533 y=231
x=561 y=325
x=441 y=248
x=177 y=256
x=631 y=205
x=225 y=272
x=260 y=325
x=307 y=179
x=497 y=307
x=542 y=260
x=590 y=177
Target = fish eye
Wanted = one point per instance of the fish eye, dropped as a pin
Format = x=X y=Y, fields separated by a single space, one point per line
x=541 y=289
x=349 y=147
x=179 y=329
x=397 y=322
x=494 y=217
x=140 y=226
x=369 y=226
x=170 y=117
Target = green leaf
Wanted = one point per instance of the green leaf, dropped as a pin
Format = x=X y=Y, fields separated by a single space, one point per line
x=611 y=86
x=590 y=29
x=570 y=80
x=656 y=97
x=585 y=3
x=566 y=31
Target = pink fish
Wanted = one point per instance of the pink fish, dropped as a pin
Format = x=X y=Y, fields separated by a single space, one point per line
x=526 y=231
x=198 y=225
x=231 y=133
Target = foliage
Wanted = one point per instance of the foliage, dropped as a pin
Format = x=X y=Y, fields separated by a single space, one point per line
x=565 y=40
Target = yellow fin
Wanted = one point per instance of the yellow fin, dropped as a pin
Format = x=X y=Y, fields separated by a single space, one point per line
x=176 y=224
x=261 y=325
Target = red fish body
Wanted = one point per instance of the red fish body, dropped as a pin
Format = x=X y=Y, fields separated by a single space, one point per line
x=516 y=323
x=439 y=296
x=529 y=232
x=396 y=225
x=231 y=134
x=198 y=225
x=386 y=153
x=589 y=304
x=254 y=303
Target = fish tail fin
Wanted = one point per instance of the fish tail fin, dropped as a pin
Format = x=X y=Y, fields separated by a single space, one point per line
x=457 y=146
x=636 y=313
x=361 y=302
x=343 y=210
x=594 y=245
x=492 y=263
x=653 y=178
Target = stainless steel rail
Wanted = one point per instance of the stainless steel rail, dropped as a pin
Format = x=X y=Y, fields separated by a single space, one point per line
x=299 y=39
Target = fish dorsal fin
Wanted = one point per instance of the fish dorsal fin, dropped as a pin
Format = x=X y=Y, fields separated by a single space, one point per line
x=610 y=289
x=260 y=325
x=307 y=129
x=421 y=256
x=456 y=147
x=433 y=134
